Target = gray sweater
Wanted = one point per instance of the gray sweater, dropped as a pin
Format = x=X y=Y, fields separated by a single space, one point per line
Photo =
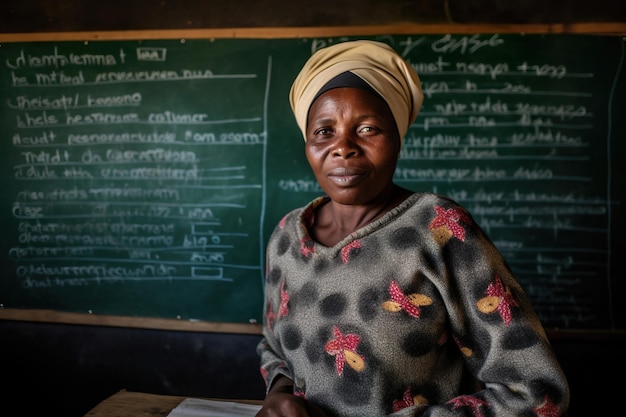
x=392 y=319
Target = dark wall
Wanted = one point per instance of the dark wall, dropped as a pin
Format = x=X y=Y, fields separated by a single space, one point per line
x=65 y=370
x=76 y=15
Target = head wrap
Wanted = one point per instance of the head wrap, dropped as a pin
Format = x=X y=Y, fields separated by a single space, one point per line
x=376 y=63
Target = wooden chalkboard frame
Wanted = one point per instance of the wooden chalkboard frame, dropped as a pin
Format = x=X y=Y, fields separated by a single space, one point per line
x=617 y=28
x=50 y=316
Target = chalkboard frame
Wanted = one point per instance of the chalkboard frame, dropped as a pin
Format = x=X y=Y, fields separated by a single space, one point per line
x=43 y=315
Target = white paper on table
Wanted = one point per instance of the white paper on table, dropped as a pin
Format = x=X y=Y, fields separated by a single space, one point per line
x=198 y=407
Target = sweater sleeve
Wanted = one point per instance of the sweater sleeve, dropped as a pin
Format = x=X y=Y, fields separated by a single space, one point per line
x=272 y=360
x=494 y=326
x=272 y=364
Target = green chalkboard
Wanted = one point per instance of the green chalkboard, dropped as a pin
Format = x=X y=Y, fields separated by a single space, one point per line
x=143 y=177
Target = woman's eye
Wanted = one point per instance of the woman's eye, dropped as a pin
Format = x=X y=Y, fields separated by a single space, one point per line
x=323 y=131
x=367 y=129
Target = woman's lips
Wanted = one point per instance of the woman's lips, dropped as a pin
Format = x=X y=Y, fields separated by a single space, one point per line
x=345 y=175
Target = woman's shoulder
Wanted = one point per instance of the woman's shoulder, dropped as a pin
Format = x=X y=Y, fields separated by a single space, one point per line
x=427 y=208
x=430 y=200
x=299 y=215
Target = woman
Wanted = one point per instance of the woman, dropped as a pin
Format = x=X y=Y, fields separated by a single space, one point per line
x=379 y=300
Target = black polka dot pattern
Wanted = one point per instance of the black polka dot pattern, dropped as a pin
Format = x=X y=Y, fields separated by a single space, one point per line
x=391 y=317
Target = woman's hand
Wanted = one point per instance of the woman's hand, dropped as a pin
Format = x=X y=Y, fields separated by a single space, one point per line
x=281 y=402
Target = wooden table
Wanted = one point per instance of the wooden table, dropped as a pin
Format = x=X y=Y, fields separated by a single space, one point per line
x=138 y=404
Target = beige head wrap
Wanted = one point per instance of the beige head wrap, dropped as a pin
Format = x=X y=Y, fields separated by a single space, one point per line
x=375 y=63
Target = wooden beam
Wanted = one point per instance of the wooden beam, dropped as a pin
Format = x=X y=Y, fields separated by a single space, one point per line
x=51 y=316
x=617 y=28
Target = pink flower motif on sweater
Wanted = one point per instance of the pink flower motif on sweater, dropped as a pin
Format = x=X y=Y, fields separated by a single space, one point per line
x=548 y=409
x=469 y=401
x=270 y=317
x=343 y=348
x=307 y=246
x=264 y=374
x=498 y=298
x=345 y=251
x=406 y=401
x=405 y=303
x=410 y=303
x=450 y=219
x=282 y=222
x=283 y=309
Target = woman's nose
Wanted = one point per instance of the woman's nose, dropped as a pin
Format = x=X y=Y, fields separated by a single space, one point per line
x=345 y=146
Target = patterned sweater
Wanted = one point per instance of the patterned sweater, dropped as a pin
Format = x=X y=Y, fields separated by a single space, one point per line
x=387 y=321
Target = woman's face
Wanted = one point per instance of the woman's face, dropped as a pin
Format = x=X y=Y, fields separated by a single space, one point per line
x=352 y=145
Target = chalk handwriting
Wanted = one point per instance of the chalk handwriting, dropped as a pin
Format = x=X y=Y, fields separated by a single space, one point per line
x=135 y=166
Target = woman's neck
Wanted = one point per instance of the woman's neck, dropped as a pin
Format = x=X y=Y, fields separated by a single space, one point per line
x=334 y=221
